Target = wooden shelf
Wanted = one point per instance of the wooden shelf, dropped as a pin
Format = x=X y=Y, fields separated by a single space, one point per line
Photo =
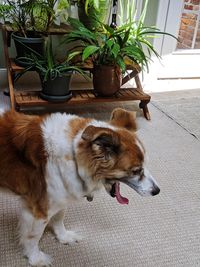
x=30 y=98
x=26 y=98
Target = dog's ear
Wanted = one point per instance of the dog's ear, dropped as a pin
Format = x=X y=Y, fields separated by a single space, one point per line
x=124 y=118
x=103 y=140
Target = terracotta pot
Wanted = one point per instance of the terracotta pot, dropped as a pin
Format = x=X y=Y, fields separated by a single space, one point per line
x=107 y=80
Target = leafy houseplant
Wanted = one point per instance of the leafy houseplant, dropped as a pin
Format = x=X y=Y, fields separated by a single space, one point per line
x=54 y=75
x=112 y=48
x=106 y=50
x=29 y=20
x=90 y=12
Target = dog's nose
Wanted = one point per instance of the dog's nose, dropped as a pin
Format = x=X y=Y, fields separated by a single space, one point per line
x=155 y=191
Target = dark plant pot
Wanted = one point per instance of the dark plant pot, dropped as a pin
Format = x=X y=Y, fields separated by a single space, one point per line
x=107 y=80
x=24 y=45
x=56 y=90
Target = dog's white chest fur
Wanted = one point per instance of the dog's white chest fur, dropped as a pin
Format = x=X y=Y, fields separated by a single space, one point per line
x=61 y=171
x=62 y=175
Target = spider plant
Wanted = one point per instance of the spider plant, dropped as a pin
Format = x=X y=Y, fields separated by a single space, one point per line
x=47 y=65
x=55 y=75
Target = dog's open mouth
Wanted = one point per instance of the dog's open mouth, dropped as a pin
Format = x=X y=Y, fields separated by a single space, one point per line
x=115 y=192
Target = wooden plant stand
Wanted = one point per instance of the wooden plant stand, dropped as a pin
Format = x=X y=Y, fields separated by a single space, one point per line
x=28 y=99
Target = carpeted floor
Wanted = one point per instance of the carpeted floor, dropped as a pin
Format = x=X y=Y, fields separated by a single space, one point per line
x=182 y=106
x=158 y=231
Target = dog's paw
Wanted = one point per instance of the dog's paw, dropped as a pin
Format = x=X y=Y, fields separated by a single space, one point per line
x=69 y=237
x=40 y=259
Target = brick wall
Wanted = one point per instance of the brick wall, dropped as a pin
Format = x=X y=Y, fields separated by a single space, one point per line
x=188 y=24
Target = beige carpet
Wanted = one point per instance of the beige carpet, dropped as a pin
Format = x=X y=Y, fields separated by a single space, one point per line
x=181 y=106
x=158 y=231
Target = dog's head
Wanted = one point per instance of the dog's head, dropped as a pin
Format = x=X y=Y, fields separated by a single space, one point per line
x=115 y=155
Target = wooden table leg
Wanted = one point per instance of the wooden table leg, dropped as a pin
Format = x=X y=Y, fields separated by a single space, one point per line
x=11 y=89
x=143 y=105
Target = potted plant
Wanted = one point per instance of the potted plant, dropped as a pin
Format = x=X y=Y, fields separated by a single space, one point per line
x=29 y=20
x=91 y=12
x=106 y=49
x=54 y=74
x=111 y=49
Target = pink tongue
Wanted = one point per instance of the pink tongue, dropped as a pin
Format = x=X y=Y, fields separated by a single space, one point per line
x=120 y=199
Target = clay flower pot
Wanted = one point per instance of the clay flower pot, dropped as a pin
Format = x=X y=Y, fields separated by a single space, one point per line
x=107 y=80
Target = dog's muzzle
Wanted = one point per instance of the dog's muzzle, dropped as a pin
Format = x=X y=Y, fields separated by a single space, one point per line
x=145 y=185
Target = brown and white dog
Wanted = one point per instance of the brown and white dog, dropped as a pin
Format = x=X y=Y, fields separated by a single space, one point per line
x=57 y=158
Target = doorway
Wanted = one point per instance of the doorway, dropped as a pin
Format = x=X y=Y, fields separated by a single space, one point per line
x=180 y=64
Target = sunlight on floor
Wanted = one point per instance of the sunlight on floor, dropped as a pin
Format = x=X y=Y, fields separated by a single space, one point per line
x=172 y=73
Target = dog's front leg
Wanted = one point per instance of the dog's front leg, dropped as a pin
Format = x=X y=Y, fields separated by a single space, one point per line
x=64 y=236
x=31 y=230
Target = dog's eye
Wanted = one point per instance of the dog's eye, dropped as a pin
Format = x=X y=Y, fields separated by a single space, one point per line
x=137 y=171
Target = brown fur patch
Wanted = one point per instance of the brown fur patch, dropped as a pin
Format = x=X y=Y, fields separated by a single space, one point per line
x=123 y=118
x=31 y=236
x=23 y=160
x=76 y=124
x=68 y=157
x=132 y=156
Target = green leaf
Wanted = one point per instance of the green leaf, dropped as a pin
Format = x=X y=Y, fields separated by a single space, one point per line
x=83 y=34
x=75 y=23
x=144 y=11
x=108 y=29
x=62 y=4
x=49 y=51
x=88 y=51
x=115 y=50
x=126 y=37
x=73 y=54
x=121 y=64
x=110 y=43
x=150 y=47
x=159 y=32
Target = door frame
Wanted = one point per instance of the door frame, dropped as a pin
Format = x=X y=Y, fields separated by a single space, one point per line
x=168 y=20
